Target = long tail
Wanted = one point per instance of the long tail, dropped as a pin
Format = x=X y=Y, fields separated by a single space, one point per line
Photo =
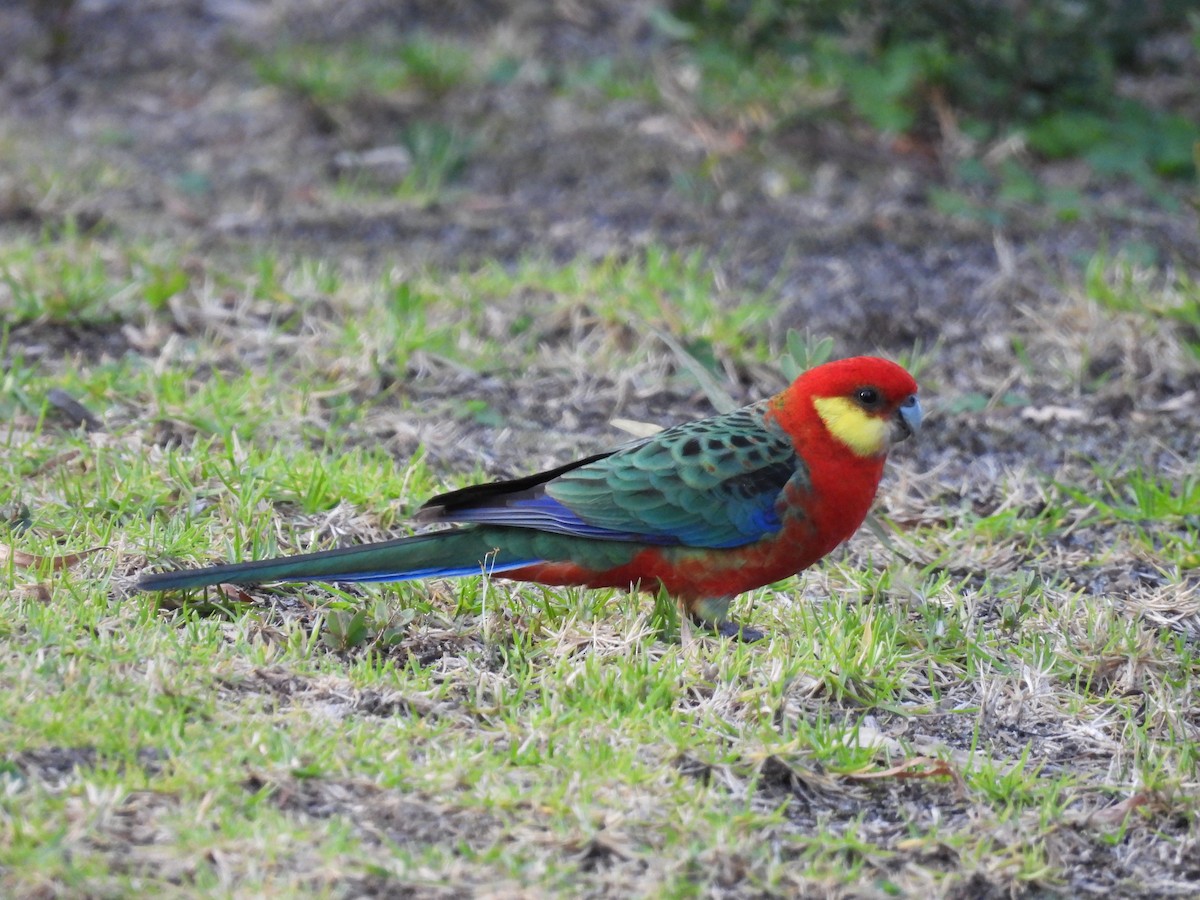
x=440 y=554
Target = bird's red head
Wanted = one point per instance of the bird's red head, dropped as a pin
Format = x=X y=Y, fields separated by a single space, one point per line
x=864 y=403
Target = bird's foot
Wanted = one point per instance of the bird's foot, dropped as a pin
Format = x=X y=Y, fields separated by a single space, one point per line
x=733 y=630
x=711 y=612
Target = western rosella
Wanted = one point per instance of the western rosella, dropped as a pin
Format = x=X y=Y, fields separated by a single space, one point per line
x=703 y=510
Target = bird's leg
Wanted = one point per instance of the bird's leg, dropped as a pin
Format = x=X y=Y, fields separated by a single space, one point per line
x=712 y=612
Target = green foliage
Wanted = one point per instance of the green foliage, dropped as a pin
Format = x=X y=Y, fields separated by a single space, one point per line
x=729 y=81
x=888 y=90
x=1048 y=64
x=803 y=351
x=162 y=283
x=995 y=57
x=992 y=193
x=1125 y=138
x=354 y=625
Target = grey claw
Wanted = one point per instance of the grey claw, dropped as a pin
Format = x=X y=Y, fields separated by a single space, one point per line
x=737 y=632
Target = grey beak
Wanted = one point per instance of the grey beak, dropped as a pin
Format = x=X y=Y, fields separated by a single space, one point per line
x=908 y=419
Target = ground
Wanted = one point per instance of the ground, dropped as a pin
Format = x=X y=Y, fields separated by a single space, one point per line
x=229 y=332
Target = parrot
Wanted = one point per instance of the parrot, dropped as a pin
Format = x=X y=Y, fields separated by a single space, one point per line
x=703 y=511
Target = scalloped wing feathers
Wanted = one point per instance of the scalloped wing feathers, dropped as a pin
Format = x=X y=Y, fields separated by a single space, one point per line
x=718 y=483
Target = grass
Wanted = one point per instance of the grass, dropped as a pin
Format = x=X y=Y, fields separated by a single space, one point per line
x=394 y=75
x=329 y=75
x=64 y=278
x=486 y=736
x=998 y=700
x=1129 y=280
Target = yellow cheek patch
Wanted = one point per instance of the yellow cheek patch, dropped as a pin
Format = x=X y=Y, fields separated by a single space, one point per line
x=865 y=435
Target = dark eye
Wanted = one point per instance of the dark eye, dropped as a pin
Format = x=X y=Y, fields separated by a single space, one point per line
x=868 y=397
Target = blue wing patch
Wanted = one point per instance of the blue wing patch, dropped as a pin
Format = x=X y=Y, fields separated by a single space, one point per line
x=547 y=514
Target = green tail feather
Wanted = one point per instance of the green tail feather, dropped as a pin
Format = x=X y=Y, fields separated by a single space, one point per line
x=463 y=551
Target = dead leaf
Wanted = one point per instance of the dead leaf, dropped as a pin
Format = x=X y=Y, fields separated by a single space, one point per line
x=1118 y=813
x=869 y=737
x=1181 y=403
x=235 y=593
x=916 y=767
x=39 y=592
x=1042 y=414
x=22 y=560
